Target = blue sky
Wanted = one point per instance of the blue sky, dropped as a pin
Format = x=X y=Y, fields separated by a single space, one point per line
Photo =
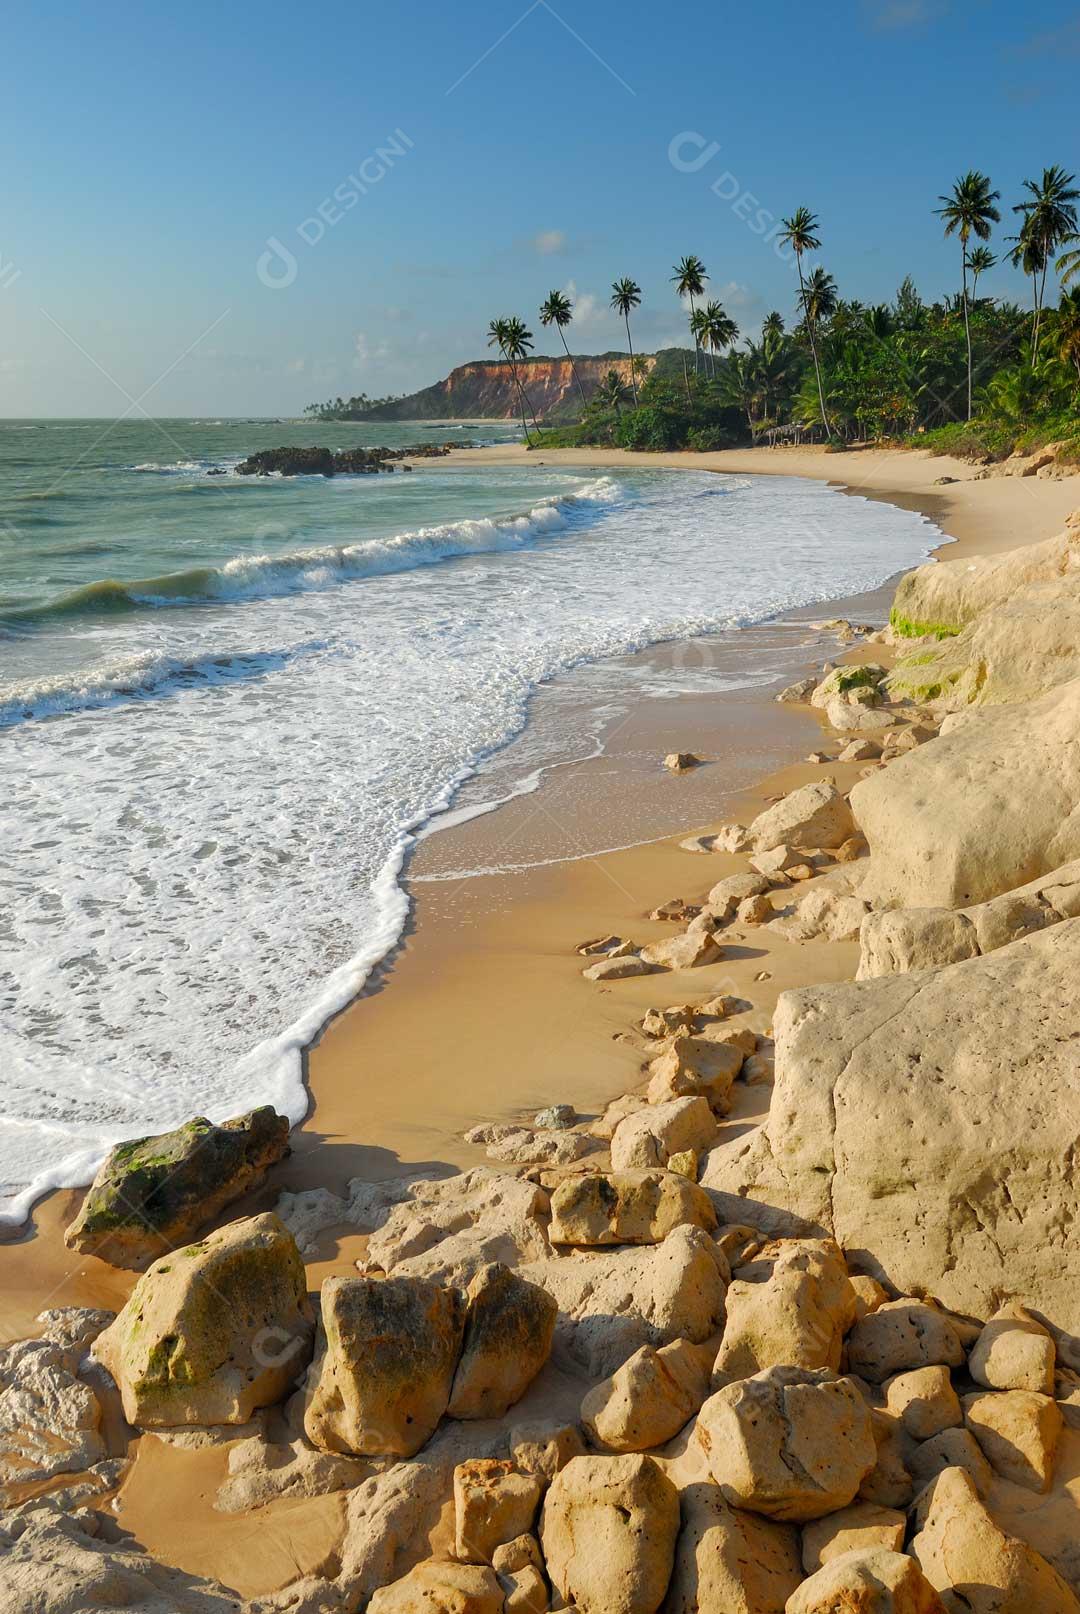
x=152 y=153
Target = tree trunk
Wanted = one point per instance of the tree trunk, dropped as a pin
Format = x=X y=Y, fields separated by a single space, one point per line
x=573 y=367
x=813 y=348
x=521 y=400
x=630 y=345
x=686 y=382
x=967 y=329
x=1040 y=300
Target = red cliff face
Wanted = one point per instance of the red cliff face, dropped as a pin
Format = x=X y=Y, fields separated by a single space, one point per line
x=485 y=390
x=488 y=391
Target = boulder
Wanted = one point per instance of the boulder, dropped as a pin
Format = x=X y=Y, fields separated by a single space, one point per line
x=556 y=1118
x=450 y=1227
x=869 y=1580
x=1012 y=781
x=726 y=894
x=437 y=1587
x=695 y=1066
x=648 y=1399
x=940 y=598
x=260 y=1473
x=494 y=1502
x=384 y=1364
x=153 y=1194
x=626 y=1207
x=649 y=1137
x=925 y=1402
x=1014 y=652
x=527 y=1146
x=385 y=1517
x=1018 y=1432
x=624 y=967
x=730 y=1561
x=608 y=1533
x=955 y=1449
x=860 y=751
x=975 y=1566
x=814 y=815
x=508 y=1333
x=928 y=1119
x=828 y=911
x=615 y=1301
x=889 y=1483
x=773 y=863
x=213 y=1331
x=1013 y=1352
x=853 y=684
x=681 y=761
x=754 y=911
x=857 y=1528
x=892 y=942
x=543 y=1446
x=798 y=693
x=900 y=1335
x=790 y=1443
x=848 y=717
x=790 y=1307
x=697 y=945
x=51 y=1564
x=50 y=1419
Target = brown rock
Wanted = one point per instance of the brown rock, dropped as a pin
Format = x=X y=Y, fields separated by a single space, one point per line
x=508 y=1335
x=953 y=1448
x=626 y=1207
x=441 y=1588
x=793 y=1311
x=974 y=1565
x=1014 y=1352
x=695 y=1066
x=924 y=1401
x=649 y=1399
x=608 y=1533
x=729 y=1561
x=900 y=1335
x=647 y=1138
x=493 y=1503
x=1018 y=1432
x=543 y=1447
x=868 y=1581
x=384 y=1364
x=856 y=1528
x=790 y=1443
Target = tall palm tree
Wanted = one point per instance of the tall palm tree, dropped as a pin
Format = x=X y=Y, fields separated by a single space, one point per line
x=514 y=341
x=558 y=310
x=719 y=329
x=1066 y=328
x=698 y=330
x=969 y=210
x=800 y=234
x=625 y=295
x=689 y=281
x=980 y=261
x=772 y=324
x=1049 y=220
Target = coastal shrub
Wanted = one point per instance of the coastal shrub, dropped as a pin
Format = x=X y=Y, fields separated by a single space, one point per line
x=653 y=428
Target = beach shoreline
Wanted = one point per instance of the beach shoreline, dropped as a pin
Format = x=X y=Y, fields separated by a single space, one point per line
x=481 y=1012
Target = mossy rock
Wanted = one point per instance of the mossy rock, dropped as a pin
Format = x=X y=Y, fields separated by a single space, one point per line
x=215 y=1331
x=905 y=628
x=153 y=1193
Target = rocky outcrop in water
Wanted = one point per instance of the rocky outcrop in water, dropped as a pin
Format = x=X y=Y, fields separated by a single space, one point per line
x=346 y=462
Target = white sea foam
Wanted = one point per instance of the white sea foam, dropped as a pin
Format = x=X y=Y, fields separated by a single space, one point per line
x=204 y=836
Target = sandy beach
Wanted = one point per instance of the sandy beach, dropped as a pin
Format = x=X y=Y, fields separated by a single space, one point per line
x=482 y=1014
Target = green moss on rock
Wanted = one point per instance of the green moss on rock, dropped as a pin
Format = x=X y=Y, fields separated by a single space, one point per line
x=907 y=629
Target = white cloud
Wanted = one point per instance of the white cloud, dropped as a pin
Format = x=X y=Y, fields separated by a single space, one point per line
x=364 y=353
x=547 y=242
x=588 y=309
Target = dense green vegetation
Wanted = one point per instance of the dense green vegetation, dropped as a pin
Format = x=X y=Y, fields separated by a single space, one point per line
x=968 y=375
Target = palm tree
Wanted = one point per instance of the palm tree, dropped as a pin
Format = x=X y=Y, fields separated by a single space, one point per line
x=558 y=310
x=969 y=210
x=612 y=391
x=625 y=295
x=689 y=280
x=1068 y=265
x=821 y=298
x=980 y=260
x=719 y=330
x=1066 y=328
x=800 y=234
x=514 y=341
x=772 y=325
x=698 y=326
x=1049 y=221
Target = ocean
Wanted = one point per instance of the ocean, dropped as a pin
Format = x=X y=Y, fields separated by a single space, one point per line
x=229 y=706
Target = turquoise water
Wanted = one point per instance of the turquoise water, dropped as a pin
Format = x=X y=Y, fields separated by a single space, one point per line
x=228 y=706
